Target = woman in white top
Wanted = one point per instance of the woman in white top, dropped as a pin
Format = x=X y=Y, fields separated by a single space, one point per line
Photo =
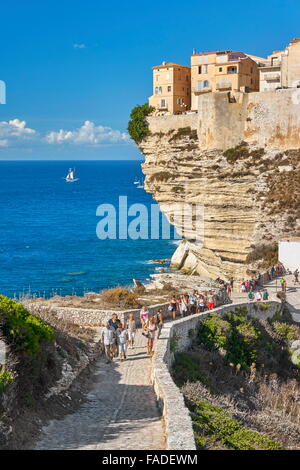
x=150 y=327
x=258 y=296
x=131 y=329
x=122 y=338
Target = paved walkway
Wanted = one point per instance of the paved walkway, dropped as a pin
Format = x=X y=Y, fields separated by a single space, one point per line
x=120 y=412
x=274 y=286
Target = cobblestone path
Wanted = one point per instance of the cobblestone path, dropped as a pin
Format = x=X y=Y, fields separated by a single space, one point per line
x=120 y=411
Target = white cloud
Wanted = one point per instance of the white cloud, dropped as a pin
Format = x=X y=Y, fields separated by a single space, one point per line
x=14 y=131
x=79 y=46
x=88 y=134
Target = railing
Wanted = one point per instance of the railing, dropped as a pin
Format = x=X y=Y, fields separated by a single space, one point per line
x=197 y=91
x=224 y=87
x=275 y=78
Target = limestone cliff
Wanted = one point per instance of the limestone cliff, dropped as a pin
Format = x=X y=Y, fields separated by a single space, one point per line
x=239 y=156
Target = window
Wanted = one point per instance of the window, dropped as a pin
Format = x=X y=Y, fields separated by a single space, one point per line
x=205 y=68
x=206 y=84
x=163 y=103
x=160 y=90
x=200 y=85
x=156 y=90
x=220 y=69
x=169 y=88
x=199 y=69
x=231 y=69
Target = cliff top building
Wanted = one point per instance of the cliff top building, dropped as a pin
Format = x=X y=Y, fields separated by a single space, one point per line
x=223 y=71
x=282 y=69
x=171 y=88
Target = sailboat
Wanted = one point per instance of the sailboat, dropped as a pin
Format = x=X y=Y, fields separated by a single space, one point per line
x=136 y=181
x=70 y=178
x=140 y=184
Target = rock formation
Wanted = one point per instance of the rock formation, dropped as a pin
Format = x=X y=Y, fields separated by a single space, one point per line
x=239 y=157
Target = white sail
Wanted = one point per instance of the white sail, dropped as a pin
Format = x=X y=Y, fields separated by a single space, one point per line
x=70 y=178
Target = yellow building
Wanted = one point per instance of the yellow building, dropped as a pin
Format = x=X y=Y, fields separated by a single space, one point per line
x=171 y=88
x=223 y=71
x=282 y=69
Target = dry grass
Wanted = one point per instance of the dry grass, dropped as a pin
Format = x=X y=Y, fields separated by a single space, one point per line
x=120 y=297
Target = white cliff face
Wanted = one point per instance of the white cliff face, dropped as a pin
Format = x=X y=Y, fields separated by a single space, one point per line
x=250 y=194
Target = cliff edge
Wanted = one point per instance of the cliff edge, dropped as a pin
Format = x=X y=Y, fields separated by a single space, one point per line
x=239 y=156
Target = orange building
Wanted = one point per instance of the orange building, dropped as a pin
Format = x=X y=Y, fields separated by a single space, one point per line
x=223 y=71
x=171 y=88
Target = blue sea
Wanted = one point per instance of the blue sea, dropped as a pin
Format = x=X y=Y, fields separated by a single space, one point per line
x=48 y=240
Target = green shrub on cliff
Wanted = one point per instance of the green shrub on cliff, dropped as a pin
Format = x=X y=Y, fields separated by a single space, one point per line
x=6 y=379
x=137 y=126
x=23 y=331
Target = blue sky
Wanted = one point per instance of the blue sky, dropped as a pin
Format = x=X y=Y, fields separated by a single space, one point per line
x=66 y=63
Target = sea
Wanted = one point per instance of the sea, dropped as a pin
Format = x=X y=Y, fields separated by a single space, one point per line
x=48 y=228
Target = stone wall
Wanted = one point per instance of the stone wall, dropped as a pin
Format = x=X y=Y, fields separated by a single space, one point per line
x=179 y=430
x=93 y=317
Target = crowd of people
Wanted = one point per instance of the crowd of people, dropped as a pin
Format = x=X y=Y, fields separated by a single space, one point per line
x=118 y=337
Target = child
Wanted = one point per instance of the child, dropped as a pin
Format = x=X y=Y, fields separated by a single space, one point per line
x=131 y=329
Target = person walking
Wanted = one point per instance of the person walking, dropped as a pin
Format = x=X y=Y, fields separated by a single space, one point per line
x=108 y=338
x=144 y=315
x=173 y=307
x=113 y=323
x=183 y=306
x=122 y=338
x=296 y=276
x=131 y=330
x=159 y=321
x=265 y=295
x=258 y=296
x=150 y=328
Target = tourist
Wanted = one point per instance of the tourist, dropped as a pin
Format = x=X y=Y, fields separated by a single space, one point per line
x=150 y=329
x=201 y=303
x=144 y=315
x=228 y=289
x=258 y=296
x=122 y=338
x=131 y=330
x=183 y=306
x=108 y=338
x=283 y=284
x=266 y=295
x=231 y=284
x=250 y=296
x=211 y=303
x=159 y=321
x=173 y=307
x=193 y=302
x=296 y=276
x=113 y=323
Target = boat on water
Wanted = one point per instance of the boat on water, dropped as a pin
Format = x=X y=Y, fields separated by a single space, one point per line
x=140 y=185
x=70 y=178
x=136 y=181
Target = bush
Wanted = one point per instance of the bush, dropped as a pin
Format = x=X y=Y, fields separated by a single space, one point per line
x=212 y=425
x=23 y=330
x=6 y=379
x=137 y=126
x=120 y=297
x=187 y=369
x=234 y=334
x=287 y=332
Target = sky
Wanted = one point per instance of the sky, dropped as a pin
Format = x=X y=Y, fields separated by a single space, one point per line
x=74 y=70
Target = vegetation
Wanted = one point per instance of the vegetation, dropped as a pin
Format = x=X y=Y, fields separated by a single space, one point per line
x=23 y=330
x=266 y=254
x=240 y=384
x=6 y=379
x=120 y=297
x=241 y=152
x=137 y=125
x=214 y=425
x=234 y=334
x=184 y=132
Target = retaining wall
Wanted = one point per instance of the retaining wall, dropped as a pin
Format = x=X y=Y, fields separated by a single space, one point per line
x=179 y=430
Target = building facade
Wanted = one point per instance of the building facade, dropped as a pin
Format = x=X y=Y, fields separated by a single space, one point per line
x=171 y=88
x=222 y=71
x=282 y=69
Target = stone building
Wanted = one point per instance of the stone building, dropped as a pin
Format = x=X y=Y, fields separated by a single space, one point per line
x=282 y=69
x=171 y=88
x=223 y=71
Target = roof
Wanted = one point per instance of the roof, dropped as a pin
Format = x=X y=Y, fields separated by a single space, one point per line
x=169 y=64
x=213 y=52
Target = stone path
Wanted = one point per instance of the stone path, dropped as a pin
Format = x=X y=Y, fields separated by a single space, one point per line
x=120 y=412
x=274 y=286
